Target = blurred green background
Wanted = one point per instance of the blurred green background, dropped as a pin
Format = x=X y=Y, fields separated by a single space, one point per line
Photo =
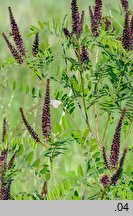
x=28 y=13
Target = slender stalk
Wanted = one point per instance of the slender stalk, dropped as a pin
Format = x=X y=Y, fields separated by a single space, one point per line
x=51 y=174
x=83 y=98
x=106 y=127
x=103 y=194
x=95 y=106
x=86 y=172
x=96 y=117
x=72 y=120
x=129 y=131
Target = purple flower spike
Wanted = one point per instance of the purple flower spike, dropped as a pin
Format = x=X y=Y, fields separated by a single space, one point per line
x=67 y=33
x=75 y=18
x=125 y=5
x=105 y=159
x=115 y=147
x=96 y=21
x=84 y=54
x=91 y=16
x=29 y=128
x=131 y=32
x=81 y=24
x=13 y=51
x=46 y=117
x=117 y=175
x=126 y=33
x=16 y=34
x=107 y=24
x=35 y=45
x=105 y=180
x=4 y=129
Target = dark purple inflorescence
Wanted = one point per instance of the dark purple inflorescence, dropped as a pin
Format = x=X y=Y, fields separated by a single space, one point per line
x=131 y=33
x=105 y=180
x=16 y=34
x=115 y=147
x=91 y=16
x=29 y=128
x=12 y=49
x=105 y=159
x=125 y=5
x=107 y=24
x=126 y=38
x=11 y=162
x=7 y=191
x=96 y=17
x=67 y=33
x=46 y=117
x=77 y=21
x=117 y=175
x=84 y=54
x=4 y=129
x=35 y=45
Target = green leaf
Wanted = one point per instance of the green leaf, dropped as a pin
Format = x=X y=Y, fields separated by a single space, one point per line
x=86 y=132
x=14 y=85
x=93 y=148
x=64 y=122
x=58 y=128
x=21 y=87
x=41 y=25
x=27 y=89
x=80 y=171
x=20 y=150
x=29 y=157
x=36 y=163
x=96 y=155
x=47 y=176
x=44 y=170
x=33 y=92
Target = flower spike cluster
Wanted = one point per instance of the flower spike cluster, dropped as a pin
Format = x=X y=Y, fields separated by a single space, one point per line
x=125 y=5
x=13 y=50
x=16 y=34
x=35 y=45
x=4 y=129
x=105 y=159
x=114 y=156
x=19 y=51
x=5 y=166
x=127 y=37
x=29 y=128
x=117 y=175
x=67 y=33
x=96 y=17
x=77 y=21
x=105 y=180
x=84 y=54
x=127 y=33
x=107 y=24
x=115 y=147
x=46 y=118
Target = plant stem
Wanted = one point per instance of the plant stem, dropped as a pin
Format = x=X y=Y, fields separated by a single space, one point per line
x=72 y=120
x=96 y=117
x=83 y=98
x=51 y=174
x=129 y=131
x=85 y=177
x=103 y=194
x=95 y=106
x=106 y=127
